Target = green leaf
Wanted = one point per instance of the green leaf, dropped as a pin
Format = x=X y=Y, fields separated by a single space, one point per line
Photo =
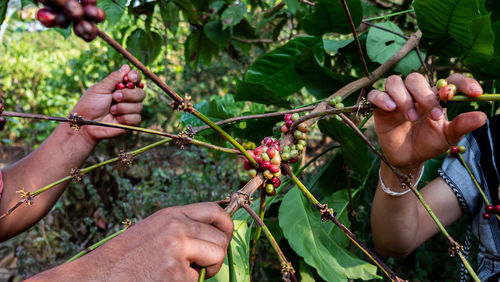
x=333 y=46
x=329 y=16
x=309 y=238
x=233 y=14
x=240 y=247
x=198 y=48
x=213 y=30
x=170 y=15
x=334 y=177
x=292 y=5
x=355 y=151
x=445 y=24
x=248 y=91
x=146 y=46
x=189 y=10
x=276 y=69
x=113 y=9
x=483 y=38
x=3 y=10
x=216 y=108
x=256 y=130
x=381 y=45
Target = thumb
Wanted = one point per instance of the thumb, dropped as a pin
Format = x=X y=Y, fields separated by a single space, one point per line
x=463 y=124
x=108 y=84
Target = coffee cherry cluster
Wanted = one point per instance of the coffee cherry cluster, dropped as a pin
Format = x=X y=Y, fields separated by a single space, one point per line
x=454 y=150
x=491 y=210
x=84 y=14
x=336 y=102
x=291 y=153
x=445 y=91
x=126 y=83
x=268 y=158
x=3 y=120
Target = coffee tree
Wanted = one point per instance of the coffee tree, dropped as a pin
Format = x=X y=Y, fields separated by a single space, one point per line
x=307 y=67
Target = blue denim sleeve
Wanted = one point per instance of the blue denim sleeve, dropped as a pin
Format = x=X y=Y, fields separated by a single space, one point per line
x=457 y=177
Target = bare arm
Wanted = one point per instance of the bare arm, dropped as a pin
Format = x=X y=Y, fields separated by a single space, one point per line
x=412 y=128
x=65 y=149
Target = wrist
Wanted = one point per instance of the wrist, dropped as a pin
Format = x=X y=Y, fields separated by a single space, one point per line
x=80 y=137
x=393 y=182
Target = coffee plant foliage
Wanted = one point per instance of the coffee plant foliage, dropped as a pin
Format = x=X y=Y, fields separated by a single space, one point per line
x=239 y=58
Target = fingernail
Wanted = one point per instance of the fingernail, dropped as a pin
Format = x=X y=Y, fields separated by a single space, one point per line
x=436 y=113
x=132 y=76
x=113 y=109
x=118 y=96
x=475 y=89
x=412 y=115
x=390 y=105
x=123 y=68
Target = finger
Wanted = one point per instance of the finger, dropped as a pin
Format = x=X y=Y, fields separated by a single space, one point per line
x=129 y=95
x=205 y=254
x=211 y=213
x=131 y=119
x=126 y=109
x=108 y=84
x=424 y=95
x=201 y=231
x=463 y=124
x=382 y=100
x=134 y=76
x=467 y=85
x=396 y=89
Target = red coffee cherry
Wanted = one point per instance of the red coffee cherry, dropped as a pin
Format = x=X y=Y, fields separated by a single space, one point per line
x=486 y=215
x=73 y=10
x=276 y=182
x=130 y=85
x=258 y=158
x=294 y=160
x=265 y=165
x=497 y=209
x=47 y=17
x=274 y=168
x=454 y=150
x=85 y=30
x=125 y=78
x=288 y=117
x=267 y=141
x=120 y=86
x=446 y=93
x=140 y=85
x=247 y=165
x=289 y=123
x=489 y=208
x=93 y=14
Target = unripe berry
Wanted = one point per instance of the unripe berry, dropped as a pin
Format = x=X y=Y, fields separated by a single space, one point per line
x=277 y=174
x=302 y=142
x=295 y=116
x=297 y=134
x=284 y=129
x=289 y=123
x=252 y=172
x=332 y=102
x=338 y=99
x=339 y=106
x=288 y=117
x=453 y=88
x=285 y=156
x=130 y=85
x=454 y=151
x=271 y=152
x=274 y=168
x=303 y=127
x=277 y=183
x=440 y=83
x=46 y=16
x=120 y=86
x=265 y=157
x=264 y=148
x=489 y=208
x=462 y=149
x=286 y=149
x=294 y=154
x=276 y=160
x=486 y=215
x=268 y=174
x=270 y=191
x=300 y=147
x=265 y=165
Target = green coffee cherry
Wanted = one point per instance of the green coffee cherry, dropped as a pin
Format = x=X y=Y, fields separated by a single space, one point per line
x=252 y=172
x=285 y=156
x=440 y=83
x=295 y=116
x=339 y=106
x=294 y=154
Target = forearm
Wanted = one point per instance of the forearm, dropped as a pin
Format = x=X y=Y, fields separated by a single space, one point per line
x=62 y=150
x=394 y=220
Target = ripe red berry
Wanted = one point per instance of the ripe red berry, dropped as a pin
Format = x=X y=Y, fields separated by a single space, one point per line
x=497 y=209
x=288 y=117
x=284 y=129
x=289 y=123
x=130 y=85
x=489 y=208
x=74 y=10
x=47 y=17
x=294 y=160
x=140 y=85
x=274 y=180
x=277 y=143
x=247 y=165
x=485 y=214
x=258 y=151
x=277 y=183
x=446 y=93
x=265 y=165
x=258 y=158
x=271 y=152
x=274 y=168
x=454 y=150
x=125 y=78
x=266 y=141
x=85 y=30
x=120 y=86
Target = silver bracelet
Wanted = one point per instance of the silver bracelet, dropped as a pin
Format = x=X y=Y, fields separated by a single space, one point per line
x=397 y=194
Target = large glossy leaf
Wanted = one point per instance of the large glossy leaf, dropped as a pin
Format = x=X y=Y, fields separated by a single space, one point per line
x=354 y=150
x=3 y=10
x=334 y=177
x=445 y=24
x=329 y=16
x=256 y=130
x=292 y=5
x=189 y=10
x=233 y=14
x=213 y=30
x=216 y=108
x=170 y=15
x=199 y=49
x=483 y=38
x=309 y=238
x=145 y=45
x=333 y=46
x=113 y=9
x=240 y=247
x=276 y=69
x=381 y=45
x=247 y=91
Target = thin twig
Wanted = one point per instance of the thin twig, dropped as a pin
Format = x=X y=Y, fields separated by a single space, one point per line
x=386 y=29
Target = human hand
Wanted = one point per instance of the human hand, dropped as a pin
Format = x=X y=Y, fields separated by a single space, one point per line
x=171 y=244
x=411 y=125
x=96 y=104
